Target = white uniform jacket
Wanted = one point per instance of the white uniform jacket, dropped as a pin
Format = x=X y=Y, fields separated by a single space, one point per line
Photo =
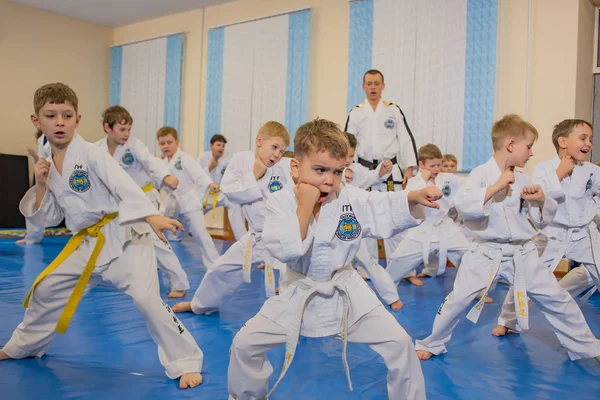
x=241 y=187
x=326 y=252
x=503 y=218
x=192 y=188
x=92 y=185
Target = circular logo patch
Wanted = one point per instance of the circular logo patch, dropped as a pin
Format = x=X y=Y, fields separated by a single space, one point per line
x=178 y=165
x=127 y=158
x=390 y=124
x=79 y=181
x=275 y=186
x=348 y=228
x=446 y=190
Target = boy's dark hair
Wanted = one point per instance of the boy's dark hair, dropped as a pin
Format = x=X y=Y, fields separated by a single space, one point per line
x=218 y=138
x=116 y=115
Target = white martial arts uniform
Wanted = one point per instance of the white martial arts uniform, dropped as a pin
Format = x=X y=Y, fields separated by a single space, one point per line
x=383 y=134
x=35 y=233
x=185 y=203
x=135 y=158
x=439 y=236
x=234 y=211
x=363 y=178
x=93 y=186
x=234 y=267
x=323 y=295
x=572 y=233
x=504 y=249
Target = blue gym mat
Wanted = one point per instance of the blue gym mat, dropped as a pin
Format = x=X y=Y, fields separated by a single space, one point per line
x=107 y=352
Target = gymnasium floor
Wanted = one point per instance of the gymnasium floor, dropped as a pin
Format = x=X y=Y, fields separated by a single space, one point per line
x=108 y=354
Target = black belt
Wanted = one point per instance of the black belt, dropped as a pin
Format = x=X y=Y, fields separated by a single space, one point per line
x=372 y=165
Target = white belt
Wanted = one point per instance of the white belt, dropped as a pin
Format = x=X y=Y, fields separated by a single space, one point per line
x=308 y=287
x=497 y=253
x=269 y=263
x=443 y=247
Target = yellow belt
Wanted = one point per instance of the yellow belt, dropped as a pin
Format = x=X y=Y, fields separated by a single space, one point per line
x=72 y=244
x=215 y=200
x=147 y=188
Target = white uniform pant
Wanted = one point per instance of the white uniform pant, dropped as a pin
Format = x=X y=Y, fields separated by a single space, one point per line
x=250 y=369
x=577 y=281
x=234 y=214
x=133 y=273
x=559 y=308
x=35 y=234
x=383 y=283
x=226 y=276
x=193 y=222
x=409 y=255
x=169 y=264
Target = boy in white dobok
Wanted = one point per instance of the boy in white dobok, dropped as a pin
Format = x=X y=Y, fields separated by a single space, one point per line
x=361 y=177
x=215 y=164
x=573 y=182
x=250 y=178
x=494 y=203
x=112 y=220
x=316 y=228
x=185 y=203
x=439 y=236
x=35 y=233
x=135 y=158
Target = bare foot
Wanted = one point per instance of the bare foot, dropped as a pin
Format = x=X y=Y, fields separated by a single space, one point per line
x=424 y=354
x=22 y=241
x=488 y=300
x=3 y=356
x=176 y=294
x=190 y=380
x=423 y=275
x=597 y=358
x=500 y=330
x=184 y=306
x=261 y=266
x=397 y=305
x=277 y=290
x=415 y=281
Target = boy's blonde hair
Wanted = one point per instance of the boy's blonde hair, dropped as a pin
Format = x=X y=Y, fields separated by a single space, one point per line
x=116 y=115
x=449 y=157
x=564 y=129
x=351 y=140
x=511 y=126
x=166 y=131
x=288 y=154
x=54 y=93
x=320 y=135
x=273 y=129
x=429 y=152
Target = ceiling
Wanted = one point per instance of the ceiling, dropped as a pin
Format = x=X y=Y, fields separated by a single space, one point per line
x=116 y=13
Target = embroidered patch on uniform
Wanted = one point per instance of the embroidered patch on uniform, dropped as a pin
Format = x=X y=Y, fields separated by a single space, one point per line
x=588 y=185
x=446 y=190
x=79 y=181
x=275 y=185
x=127 y=158
x=348 y=228
x=390 y=124
x=178 y=165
